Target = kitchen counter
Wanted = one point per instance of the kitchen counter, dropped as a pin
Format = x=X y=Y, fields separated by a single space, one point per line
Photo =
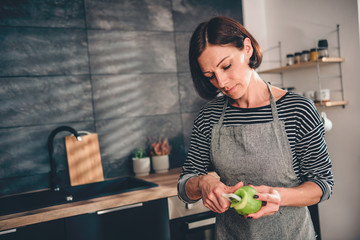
x=167 y=183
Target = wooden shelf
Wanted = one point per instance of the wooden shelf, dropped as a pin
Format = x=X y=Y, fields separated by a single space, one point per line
x=321 y=61
x=331 y=103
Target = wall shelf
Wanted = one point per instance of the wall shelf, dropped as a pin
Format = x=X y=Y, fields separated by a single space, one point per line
x=331 y=103
x=318 y=63
x=321 y=61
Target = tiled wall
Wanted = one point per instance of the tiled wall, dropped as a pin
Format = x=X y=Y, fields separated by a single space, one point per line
x=118 y=68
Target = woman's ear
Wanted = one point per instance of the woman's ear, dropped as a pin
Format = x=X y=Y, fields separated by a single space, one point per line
x=248 y=47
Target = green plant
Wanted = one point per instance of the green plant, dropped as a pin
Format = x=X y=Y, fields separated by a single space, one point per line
x=159 y=148
x=139 y=153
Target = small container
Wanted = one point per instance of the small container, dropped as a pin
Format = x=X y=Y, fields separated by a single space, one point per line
x=289 y=59
x=305 y=56
x=323 y=48
x=297 y=57
x=314 y=54
x=289 y=89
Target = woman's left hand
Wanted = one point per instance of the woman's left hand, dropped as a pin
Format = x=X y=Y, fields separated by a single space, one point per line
x=271 y=201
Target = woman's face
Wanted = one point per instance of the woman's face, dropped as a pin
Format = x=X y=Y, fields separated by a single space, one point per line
x=227 y=68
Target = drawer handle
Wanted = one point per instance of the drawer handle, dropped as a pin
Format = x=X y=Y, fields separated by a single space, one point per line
x=119 y=208
x=201 y=223
x=8 y=231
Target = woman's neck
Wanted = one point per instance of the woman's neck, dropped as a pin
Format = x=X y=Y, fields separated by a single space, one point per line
x=256 y=95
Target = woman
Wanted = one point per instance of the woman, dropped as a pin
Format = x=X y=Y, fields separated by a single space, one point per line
x=255 y=134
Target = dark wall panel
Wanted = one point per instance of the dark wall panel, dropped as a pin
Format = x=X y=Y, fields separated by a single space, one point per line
x=45 y=100
x=190 y=101
x=113 y=52
x=130 y=15
x=189 y=13
x=40 y=13
x=131 y=95
x=34 y=51
x=121 y=136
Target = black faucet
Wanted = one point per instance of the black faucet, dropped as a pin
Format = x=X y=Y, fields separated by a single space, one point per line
x=54 y=178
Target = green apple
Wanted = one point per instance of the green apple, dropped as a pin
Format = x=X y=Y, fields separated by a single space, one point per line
x=248 y=203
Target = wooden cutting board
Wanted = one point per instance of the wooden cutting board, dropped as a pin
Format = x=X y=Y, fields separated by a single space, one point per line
x=84 y=159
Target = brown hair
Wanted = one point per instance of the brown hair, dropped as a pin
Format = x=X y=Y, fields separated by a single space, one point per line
x=218 y=31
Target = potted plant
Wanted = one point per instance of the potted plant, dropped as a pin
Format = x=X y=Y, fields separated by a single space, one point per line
x=159 y=151
x=141 y=162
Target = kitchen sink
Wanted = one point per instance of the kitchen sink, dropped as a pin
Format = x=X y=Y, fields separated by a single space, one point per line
x=48 y=197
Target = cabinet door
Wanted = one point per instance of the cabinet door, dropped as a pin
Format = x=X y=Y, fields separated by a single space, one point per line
x=54 y=230
x=148 y=220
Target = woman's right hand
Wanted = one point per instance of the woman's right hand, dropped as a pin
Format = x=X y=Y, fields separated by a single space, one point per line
x=211 y=191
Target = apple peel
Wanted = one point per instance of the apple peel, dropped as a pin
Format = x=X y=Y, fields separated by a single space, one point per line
x=248 y=204
x=230 y=197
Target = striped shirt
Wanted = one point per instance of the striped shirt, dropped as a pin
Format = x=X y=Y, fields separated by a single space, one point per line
x=303 y=126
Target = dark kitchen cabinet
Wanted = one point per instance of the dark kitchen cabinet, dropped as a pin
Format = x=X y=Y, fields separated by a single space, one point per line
x=54 y=230
x=148 y=220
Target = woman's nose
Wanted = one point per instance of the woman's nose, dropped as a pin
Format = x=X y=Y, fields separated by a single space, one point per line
x=221 y=80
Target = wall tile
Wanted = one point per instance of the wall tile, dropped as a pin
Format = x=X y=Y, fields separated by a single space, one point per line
x=129 y=15
x=182 y=40
x=39 y=13
x=120 y=137
x=45 y=100
x=133 y=95
x=188 y=14
x=188 y=123
x=33 y=51
x=113 y=52
x=190 y=100
x=22 y=184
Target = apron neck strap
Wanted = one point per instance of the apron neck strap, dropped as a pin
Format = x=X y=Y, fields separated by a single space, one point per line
x=272 y=104
x=223 y=111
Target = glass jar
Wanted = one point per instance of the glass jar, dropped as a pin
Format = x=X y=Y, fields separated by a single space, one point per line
x=297 y=58
x=314 y=54
x=289 y=59
x=323 y=48
x=305 y=56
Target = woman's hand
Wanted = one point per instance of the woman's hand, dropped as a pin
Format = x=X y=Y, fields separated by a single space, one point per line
x=210 y=189
x=306 y=194
x=271 y=201
x=211 y=192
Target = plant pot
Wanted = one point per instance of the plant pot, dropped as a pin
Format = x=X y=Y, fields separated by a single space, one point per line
x=160 y=164
x=141 y=166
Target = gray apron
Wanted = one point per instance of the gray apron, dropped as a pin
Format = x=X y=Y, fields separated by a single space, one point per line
x=258 y=154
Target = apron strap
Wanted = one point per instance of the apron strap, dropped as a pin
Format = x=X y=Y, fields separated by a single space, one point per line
x=223 y=111
x=272 y=104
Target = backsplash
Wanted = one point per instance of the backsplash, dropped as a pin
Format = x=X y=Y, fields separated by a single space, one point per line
x=117 y=68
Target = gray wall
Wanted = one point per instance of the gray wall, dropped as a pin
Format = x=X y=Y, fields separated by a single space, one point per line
x=118 y=68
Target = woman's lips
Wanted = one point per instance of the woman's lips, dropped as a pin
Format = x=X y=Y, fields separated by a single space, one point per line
x=230 y=90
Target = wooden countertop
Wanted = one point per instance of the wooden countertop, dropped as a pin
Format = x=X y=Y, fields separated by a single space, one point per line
x=167 y=188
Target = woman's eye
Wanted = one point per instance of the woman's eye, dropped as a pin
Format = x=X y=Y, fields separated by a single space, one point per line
x=211 y=77
x=227 y=67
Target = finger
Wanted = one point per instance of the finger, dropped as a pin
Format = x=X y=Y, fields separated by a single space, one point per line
x=210 y=205
x=269 y=197
x=223 y=202
x=262 y=188
x=216 y=204
x=236 y=187
x=256 y=215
